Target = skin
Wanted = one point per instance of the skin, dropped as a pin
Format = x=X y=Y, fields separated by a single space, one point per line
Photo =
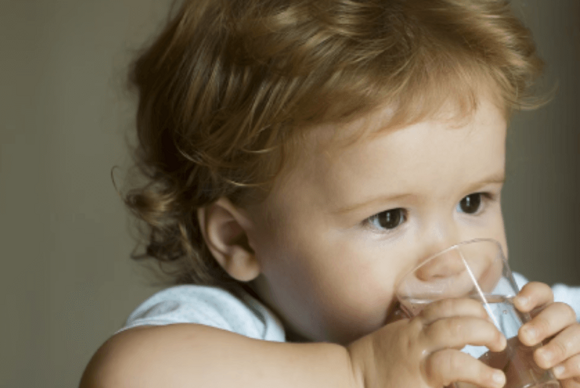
x=329 y=268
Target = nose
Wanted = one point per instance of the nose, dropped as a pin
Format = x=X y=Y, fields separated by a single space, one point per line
x=442 y=234
x=447 y=264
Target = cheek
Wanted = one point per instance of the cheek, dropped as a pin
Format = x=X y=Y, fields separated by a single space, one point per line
x=324 y=286
x=357 y=310
x=492 y=227
x=344 y=292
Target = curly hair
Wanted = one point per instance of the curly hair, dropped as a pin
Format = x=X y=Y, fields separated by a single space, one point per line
x=228 y=87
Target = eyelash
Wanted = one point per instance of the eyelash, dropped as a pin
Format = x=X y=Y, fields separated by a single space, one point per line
x=485 y=197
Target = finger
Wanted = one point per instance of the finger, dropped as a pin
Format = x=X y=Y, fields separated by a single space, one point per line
x=532 y=295
x=447 y=366
x=553 y=319
x=560 y=348
x=453 y=307
x=569 y=369
x=456 y=332
x=499 y=360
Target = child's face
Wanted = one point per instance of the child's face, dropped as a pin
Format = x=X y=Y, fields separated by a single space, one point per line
x=335 y=236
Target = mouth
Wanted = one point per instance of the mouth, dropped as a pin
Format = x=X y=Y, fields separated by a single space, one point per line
x=395 y=313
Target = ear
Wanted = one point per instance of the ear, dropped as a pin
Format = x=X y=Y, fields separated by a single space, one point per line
x=224 y=227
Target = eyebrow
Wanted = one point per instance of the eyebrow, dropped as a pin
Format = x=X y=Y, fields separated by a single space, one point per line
x=493 y=179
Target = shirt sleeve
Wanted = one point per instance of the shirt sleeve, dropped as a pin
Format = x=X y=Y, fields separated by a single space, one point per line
x=562 y=293
x=210 y=306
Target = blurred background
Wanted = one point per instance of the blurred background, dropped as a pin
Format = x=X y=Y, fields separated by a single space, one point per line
x=67 y=282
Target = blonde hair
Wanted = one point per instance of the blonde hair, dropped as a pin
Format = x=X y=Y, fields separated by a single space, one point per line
x=229 y=85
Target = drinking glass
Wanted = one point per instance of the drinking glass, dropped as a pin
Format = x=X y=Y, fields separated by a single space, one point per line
x=478 y=269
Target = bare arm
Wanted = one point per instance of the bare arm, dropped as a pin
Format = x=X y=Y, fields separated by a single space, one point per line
x=422 y=352
x=188 y=355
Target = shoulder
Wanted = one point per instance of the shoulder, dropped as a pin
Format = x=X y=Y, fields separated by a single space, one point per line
x=210 y=306
x=569 y=295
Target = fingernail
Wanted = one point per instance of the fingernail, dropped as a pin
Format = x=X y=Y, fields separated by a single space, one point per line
x=498 y=378
x=559 y=371
x=531 y=333
x=503 y=342
x=546 y=354
x=523 y=300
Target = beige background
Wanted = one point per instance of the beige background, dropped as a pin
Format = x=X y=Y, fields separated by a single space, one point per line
x=66 y=279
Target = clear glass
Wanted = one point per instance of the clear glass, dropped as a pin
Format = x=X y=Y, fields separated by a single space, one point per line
x=478 y=269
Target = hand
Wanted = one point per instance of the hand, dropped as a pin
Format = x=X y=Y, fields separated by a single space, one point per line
x=424 y=352
x=557 y=320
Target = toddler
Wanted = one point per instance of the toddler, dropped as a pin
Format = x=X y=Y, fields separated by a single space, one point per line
x=302 y=156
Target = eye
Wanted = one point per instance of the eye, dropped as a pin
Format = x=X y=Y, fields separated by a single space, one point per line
x=470 y=204
x=388 y=220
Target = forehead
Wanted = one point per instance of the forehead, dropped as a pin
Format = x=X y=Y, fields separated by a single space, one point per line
x=348 y=161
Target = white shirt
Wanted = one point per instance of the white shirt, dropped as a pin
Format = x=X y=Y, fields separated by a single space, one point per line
x=245 y=315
